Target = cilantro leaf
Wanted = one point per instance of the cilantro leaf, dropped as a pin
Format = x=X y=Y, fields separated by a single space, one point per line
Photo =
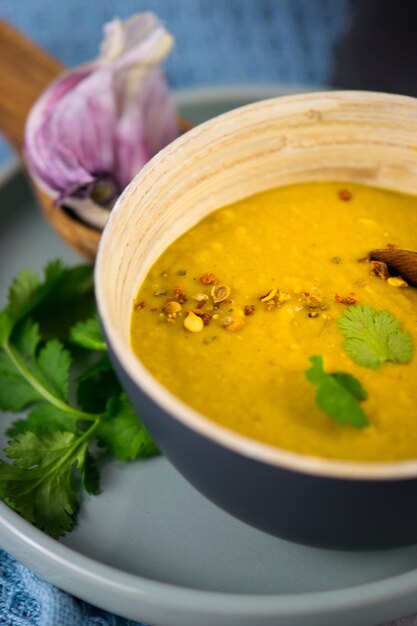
x=374 y=337
x=27 y=339
x=69 y=300
x=90 y=475
x=88 y=335
x=50 y=447
x=351 y=384
x=16 y=393
x=27 y=374
x=21 y=292
x=30 y=449
x=62 y=299
x=6 y=325
x=39 y=484
x=97 y=385
x=122 y=433
x=44 y=417
x=54 y=362
x=338 y=394
x=27 y=291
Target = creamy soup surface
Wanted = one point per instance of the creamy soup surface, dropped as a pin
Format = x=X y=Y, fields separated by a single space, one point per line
x=267 y=278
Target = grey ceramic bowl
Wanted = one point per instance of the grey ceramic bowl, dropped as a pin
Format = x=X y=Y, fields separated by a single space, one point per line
x=360 y=137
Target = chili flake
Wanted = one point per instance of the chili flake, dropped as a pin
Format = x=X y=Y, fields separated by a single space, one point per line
x=345 y=195
x=349 y=300
x=208 y=279
x=205 y=315
x=201 y=299
x=179 y=292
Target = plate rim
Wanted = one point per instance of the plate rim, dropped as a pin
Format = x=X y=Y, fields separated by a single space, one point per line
x=155 y=595
x=57 y=552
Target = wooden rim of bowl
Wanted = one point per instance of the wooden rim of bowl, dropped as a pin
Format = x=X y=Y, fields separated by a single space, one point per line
x=376 y=127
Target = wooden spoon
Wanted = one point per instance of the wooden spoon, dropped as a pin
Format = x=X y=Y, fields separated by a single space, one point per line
x=25 y=71
x=401 y=262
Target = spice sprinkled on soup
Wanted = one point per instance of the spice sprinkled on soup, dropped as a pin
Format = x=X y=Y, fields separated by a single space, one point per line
x=269 y=318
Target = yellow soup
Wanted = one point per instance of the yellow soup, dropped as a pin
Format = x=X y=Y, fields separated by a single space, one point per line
x=230 y=314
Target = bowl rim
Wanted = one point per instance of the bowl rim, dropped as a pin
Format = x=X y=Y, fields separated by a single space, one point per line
x=179 y=410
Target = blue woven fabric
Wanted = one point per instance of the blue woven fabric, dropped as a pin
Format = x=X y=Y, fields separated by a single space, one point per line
x=217 y=42
x=227 y=41
x=27 y=600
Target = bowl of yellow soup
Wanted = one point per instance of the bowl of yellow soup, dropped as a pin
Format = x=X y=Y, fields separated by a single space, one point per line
x=273 y=362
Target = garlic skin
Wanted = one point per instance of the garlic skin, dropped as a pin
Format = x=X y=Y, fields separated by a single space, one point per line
x=91 y=130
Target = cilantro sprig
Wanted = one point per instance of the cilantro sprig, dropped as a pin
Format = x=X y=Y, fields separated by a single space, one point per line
x=54 y=365
x=339 y=394
x=374 y=337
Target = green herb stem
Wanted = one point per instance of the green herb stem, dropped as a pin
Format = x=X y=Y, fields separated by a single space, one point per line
x=36 y=367
x=49 y=397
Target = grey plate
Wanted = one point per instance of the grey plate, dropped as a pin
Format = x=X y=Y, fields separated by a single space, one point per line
x=150 y=547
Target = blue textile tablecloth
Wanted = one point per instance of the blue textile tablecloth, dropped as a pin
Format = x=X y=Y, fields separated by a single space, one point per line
x=217 y=41
x=27 y=600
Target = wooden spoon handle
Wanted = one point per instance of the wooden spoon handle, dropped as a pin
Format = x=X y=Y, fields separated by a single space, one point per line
x=25 y=70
